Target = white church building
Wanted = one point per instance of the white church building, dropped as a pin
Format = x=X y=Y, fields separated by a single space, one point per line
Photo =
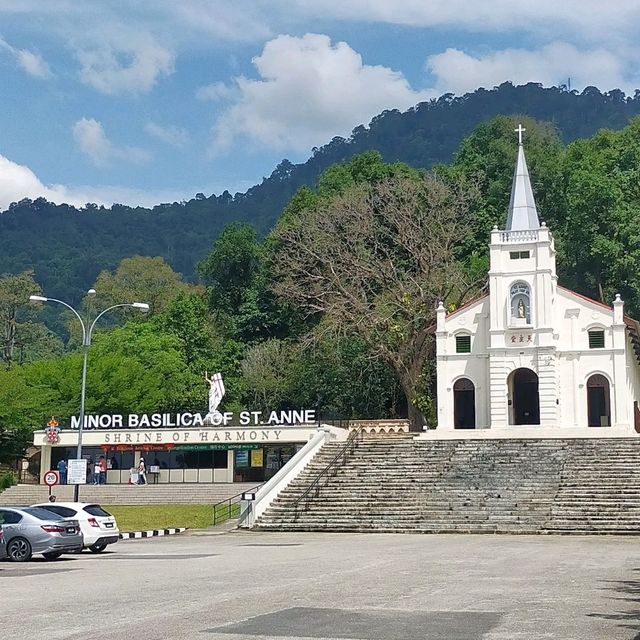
x=531 y=356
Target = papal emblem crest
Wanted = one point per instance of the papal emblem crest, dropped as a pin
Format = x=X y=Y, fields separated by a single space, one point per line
x=52 y=431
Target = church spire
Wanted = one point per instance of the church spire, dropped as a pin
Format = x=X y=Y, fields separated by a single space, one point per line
x=523 y=214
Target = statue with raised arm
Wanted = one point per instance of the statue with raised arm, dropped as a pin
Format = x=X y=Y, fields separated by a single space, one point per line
x=216 y=391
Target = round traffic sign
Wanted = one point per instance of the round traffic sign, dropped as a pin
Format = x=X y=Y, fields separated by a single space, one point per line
x=51 y=478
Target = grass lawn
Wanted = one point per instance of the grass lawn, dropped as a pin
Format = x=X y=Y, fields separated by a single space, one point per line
x=162 y=516
x=166 y=516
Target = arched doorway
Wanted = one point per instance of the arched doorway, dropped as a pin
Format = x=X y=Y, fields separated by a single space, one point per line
x=464 y=404
x=525 y=399
x=598 y=401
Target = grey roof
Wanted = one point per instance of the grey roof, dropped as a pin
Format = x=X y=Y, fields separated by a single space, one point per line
x=523 y=214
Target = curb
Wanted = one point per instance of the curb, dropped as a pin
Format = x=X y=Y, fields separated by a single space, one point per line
x=130 y=535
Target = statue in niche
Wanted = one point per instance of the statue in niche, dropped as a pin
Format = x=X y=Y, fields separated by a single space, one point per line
x=522 y=312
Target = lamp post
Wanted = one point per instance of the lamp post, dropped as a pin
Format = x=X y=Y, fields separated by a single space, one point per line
x=86 y=341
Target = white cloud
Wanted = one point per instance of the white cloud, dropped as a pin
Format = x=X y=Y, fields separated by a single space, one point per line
x=309 y=91
x=217 y=91
x=172 y=135
x=30 y=62
x=458 y=72
x=93 y=142
x=130 y=63
x=592 y=18
x=18 y=182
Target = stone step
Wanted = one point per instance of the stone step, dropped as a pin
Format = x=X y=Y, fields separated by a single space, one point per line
x=128 y=494
x=472 y=486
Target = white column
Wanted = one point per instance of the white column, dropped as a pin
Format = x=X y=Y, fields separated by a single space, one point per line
x=499 y=414
x=45 y=460
x=548 y=389
x=445 y=413
x=621 y=400
x=230 y=467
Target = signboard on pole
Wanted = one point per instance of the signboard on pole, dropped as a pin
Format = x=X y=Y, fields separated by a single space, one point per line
x=51 y=478
x=77 y=471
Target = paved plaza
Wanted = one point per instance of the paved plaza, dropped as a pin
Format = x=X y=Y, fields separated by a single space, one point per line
x=370 y=587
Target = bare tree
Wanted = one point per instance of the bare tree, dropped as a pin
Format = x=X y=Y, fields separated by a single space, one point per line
x=375 y=261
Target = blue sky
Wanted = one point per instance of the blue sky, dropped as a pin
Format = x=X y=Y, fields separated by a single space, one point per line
x=153 y=101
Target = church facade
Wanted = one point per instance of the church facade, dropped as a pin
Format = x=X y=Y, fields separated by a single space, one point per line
x=531 y=352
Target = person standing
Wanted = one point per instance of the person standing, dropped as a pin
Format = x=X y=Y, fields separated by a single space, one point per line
x=142 y=472
x=90 y=472
x=62 y=470
x=102 y=463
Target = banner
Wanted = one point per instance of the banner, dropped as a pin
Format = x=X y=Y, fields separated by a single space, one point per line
x=257 y=457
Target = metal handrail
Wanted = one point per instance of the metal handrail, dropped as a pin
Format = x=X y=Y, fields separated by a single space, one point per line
x=349 y=446
x=230 y=505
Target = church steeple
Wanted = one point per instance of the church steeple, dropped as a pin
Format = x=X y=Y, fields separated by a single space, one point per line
x=523 y=215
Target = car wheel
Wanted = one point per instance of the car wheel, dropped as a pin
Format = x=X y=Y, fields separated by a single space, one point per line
x=52 y=555
x=97 y=548
x=19 y=550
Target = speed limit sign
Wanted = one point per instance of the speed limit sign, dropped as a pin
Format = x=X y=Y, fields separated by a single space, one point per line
x=51 y=478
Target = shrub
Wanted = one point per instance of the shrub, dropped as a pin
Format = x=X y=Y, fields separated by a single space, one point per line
x=7 y=479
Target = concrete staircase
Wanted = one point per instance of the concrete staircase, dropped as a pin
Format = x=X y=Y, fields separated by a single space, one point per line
x=469 y=486
x=599 y=490
x=127 y=494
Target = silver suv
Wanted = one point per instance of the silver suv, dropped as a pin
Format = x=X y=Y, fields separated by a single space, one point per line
x=29 y=530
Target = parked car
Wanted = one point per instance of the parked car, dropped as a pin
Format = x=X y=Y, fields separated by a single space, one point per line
x=3 y=546
x=29 y=530
x=99 y=527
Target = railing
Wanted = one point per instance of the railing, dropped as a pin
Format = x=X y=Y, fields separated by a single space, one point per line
x=227 y=509
x=523 y=235
x=332 y=468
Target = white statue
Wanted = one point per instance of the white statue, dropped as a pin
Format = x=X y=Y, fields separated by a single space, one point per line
x=216 y=391
x=521 y=309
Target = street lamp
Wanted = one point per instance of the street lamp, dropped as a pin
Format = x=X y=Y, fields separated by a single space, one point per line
x=86 y=341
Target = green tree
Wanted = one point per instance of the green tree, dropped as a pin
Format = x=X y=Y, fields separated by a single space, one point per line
x=14 y=444
x=230 y=267
x=600 y=221
x=14 y=296
x=138 y=279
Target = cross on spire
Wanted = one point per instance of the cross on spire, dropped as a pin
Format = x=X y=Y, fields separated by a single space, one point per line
x=520 y=130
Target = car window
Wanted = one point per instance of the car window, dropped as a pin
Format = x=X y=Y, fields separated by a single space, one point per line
x=95 y=510
x=9 y=517
x=42 y=514
x=65 y=512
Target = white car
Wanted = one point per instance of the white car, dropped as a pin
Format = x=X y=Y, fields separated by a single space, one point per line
x=99 y=528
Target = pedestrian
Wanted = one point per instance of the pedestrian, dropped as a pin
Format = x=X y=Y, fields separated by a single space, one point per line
x=102 y=463
x=90 y=472
x=142 y=472
x=62 y=470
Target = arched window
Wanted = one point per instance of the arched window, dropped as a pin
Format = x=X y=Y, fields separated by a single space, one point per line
x=520 y=302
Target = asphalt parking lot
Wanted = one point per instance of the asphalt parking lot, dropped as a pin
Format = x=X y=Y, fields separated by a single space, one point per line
x=370 y=587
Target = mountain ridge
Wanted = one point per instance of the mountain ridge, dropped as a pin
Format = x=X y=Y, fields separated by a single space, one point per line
x=67 y=246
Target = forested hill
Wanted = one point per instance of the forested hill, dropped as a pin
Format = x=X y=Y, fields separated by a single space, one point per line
x=67 y=247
